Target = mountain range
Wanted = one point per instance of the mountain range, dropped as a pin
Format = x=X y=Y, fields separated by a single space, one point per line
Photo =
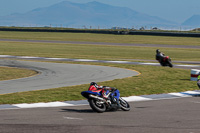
x=193 y=21
x=91 y=14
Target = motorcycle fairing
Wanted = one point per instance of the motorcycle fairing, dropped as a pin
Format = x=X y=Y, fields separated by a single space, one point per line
x=165 y=58
x=87 y=93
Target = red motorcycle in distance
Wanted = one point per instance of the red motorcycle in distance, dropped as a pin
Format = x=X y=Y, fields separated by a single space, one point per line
x=166 y=61
x=162 y=59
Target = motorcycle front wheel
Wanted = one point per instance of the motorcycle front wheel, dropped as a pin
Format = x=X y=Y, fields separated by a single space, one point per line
x=97 y=105
x=169 y=63
x=124 y=104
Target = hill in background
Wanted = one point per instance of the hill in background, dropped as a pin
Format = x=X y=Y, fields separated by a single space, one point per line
x=193 y=21
x=92 y=14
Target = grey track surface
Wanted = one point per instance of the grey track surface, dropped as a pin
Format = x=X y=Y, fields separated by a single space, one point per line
x=162 y=116
x=53 y=75
x=103 y=43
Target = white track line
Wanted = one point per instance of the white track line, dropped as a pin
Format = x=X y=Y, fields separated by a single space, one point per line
x=85 y=102
x=88 y=60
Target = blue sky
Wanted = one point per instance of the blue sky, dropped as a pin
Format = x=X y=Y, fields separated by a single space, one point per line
x=173 y=10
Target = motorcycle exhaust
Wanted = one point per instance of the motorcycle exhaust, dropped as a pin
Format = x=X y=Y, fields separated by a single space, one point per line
x=96 y=97
x=99 y=98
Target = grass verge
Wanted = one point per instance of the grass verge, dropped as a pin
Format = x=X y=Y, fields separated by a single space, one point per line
x=99 y=52
x=153 y=80
x=8 y=73
x=91 y=37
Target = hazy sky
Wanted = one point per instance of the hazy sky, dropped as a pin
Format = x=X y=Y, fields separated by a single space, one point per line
x=174 y=10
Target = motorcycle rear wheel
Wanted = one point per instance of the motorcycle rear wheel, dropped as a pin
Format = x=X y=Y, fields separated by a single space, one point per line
x=124 y=104
x=96 y=106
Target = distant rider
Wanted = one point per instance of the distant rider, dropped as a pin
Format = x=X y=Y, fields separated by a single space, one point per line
x=159 y=55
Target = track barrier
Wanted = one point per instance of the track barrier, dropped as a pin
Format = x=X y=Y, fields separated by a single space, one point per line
x=194 y=74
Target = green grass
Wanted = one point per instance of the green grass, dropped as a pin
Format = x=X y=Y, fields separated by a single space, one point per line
x=89 y=37
x=93 y=51
x=153 y=80
x=8 y=73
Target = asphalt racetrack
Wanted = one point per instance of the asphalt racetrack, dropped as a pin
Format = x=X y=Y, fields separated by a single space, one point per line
x=180 y=115
x=54 y=75
x=158 y=116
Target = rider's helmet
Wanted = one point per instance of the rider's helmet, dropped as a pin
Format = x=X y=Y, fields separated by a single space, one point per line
x=94 y=84
x=157 y=51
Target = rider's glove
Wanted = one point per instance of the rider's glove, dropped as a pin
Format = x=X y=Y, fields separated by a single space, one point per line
x=113 y=89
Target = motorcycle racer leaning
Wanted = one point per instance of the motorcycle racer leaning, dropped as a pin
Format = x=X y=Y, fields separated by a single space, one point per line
x=102 y=89
x=159 y=55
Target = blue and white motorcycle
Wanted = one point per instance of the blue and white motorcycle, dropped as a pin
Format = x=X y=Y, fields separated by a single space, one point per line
x=100 y=104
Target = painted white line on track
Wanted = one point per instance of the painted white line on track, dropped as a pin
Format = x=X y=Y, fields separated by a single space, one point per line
x=6 y=56
x=117 y=61
x=37 y=105
x=84 y=60
x=56 y=58
x=149 y=63
x=84 y=102
x=136 y=98
x=88 y=60
x=187 y=65
x=28 y=57
x=178 y=94
x=72 y=118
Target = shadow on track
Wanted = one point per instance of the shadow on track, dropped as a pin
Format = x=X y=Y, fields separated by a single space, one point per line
x=78 y=110
x=85 y=110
